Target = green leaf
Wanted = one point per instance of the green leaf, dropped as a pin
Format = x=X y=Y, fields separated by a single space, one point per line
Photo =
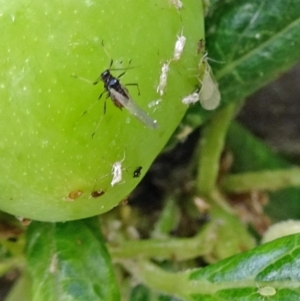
x=252 y=42
x=272 y=267
x=268 y=271
x=250 y=154
x=69 y=261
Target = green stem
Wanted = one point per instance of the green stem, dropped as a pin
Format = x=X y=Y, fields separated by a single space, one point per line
x=158 y=279
x=264 y=180
x=178 y=249
x=180 y=284
x=211 y=147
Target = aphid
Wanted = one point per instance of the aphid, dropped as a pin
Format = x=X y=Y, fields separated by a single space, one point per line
x=137 y=172
x=117 y=172
x=121 y=98
x=163 y=79
x=191 y=99
x=177 y=3
x=266 y=291
x=97 y=193
x=209 y=94
x=179 y=45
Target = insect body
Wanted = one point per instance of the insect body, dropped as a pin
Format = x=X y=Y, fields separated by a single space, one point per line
x=137 y=172
x=121 y=98
x=163 y=79
x=117 y=173
x=179 y=45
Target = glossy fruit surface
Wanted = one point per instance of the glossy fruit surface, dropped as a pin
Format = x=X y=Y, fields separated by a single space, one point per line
x=56 y=162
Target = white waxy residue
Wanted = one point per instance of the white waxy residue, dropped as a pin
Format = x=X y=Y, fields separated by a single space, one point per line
x=154 y=103
x=179 y=45
x=163 y=79
x=177 y=3
x=191 y=99
x=117 y=172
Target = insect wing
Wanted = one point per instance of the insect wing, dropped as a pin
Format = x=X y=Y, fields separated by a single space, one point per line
x=129 y=104
x=209 y=94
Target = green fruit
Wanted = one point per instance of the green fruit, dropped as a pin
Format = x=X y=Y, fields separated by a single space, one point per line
x=50 y=163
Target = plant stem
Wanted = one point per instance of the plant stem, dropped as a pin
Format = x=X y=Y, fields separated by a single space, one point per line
x=157 y=278
x=264 y=180
x=211 y=147
x=176 y=249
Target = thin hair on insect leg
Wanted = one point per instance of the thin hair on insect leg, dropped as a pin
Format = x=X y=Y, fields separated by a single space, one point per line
x=106 y=52
x=82 y=79
x=93 y=104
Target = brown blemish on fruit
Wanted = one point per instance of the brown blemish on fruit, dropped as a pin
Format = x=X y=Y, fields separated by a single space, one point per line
x=97 y=193
x=73 y=195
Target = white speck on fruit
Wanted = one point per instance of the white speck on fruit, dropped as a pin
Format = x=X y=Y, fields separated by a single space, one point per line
x=154 y=103
x=44 y=143
x=89 y=3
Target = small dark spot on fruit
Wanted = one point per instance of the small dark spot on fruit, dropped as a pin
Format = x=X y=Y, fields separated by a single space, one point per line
x=97 y=193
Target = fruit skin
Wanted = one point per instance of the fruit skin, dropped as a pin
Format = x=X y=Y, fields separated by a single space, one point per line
x=49 y=160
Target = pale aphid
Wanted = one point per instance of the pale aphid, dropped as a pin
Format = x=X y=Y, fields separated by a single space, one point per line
x=179 y=46
x=128 y=103
x=163 y=78
x=209 y=94
x=191 y=99
x=177 y=3
x=117 y=172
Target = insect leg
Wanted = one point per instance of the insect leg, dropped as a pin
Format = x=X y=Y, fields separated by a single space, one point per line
x=137 y=86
